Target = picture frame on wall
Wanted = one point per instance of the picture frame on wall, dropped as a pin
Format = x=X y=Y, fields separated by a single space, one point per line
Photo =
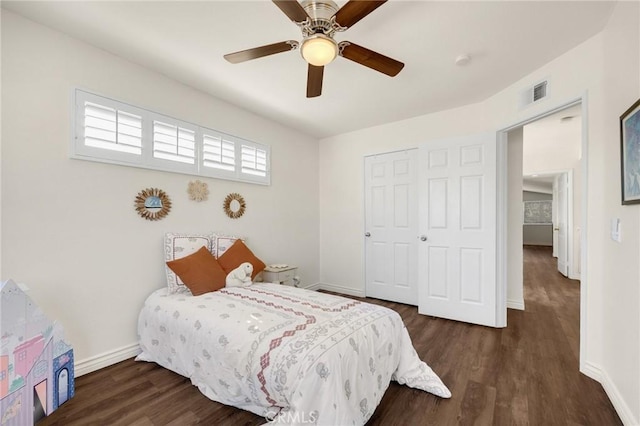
x=630 y=154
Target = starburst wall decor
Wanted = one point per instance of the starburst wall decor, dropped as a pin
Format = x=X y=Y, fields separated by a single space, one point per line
x=152 y=204
x=234 y=205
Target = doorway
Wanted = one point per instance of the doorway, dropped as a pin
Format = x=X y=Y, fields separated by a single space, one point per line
x=528 y=169
x=548 y=218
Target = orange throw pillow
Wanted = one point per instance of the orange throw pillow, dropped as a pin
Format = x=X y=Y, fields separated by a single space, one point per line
x=237 y=254
x=200 y=272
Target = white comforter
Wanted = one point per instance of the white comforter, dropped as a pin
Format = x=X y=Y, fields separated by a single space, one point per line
x=303 y=356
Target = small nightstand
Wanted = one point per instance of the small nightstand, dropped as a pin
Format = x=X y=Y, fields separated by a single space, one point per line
x=279 y=275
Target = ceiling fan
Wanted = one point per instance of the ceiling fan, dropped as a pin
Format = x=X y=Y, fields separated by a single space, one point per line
x=319 y=20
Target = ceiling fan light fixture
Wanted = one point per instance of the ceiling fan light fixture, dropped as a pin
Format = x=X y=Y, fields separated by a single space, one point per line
x=319 y=50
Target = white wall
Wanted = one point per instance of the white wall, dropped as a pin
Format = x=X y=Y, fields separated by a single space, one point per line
x=606 y=67
x=618 y=267
x=1 y=275
x=69 y=227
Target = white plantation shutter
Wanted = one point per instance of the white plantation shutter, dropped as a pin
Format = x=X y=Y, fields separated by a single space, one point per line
x=218 y=153
x=108 y=128
x=254 y=161
x=173 y=143
x=115 y=132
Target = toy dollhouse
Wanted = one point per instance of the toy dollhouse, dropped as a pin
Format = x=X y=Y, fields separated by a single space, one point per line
x=36 y=364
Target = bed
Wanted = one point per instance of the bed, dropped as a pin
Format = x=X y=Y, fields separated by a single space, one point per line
x=287 y=354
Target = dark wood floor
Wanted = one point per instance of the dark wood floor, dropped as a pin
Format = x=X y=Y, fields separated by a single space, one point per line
x=525 y=374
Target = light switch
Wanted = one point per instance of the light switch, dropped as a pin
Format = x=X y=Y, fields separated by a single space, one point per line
x=616 y=231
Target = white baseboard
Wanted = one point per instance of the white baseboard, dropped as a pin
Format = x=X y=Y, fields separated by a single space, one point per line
x=621 y=407
x=315 y=286
x=106 y=359
x=515 y=304
x=340 y=289
x=623 y=410
x=592 y=370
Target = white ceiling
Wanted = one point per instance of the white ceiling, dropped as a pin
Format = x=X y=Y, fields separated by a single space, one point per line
x=186 y=41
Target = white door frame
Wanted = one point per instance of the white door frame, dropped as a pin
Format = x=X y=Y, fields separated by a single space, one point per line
x=502 y=216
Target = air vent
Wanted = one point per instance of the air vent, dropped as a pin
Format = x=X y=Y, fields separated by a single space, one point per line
x=539 y=91
x=534 y=93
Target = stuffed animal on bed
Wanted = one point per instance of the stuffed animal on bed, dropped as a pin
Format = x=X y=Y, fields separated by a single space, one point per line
x=241 y=276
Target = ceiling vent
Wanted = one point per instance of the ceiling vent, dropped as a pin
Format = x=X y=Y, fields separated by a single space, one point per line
x=539 y=91
x=535 y=93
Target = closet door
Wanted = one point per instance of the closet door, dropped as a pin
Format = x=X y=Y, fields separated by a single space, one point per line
x=391 y=225
x=457 y=215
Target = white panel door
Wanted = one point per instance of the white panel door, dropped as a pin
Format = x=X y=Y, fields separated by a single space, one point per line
x=457 y=216
x=560 y=227
x=391 y=227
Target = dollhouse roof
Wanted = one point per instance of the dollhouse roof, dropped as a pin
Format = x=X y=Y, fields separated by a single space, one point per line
x=20 y=318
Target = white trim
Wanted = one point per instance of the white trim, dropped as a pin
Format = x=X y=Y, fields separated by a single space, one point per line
x=592 y=371
x=106 y=359
x=515 y=304
x=501 y=228
x=340 y=289
x=584 y=175
x=562 y=106
x=315 y=286
x=623 y=410
x=533 y=188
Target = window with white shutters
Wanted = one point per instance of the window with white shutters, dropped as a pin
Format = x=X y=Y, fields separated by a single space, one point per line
x=218 y=153
x=254 y=161
x=174 y=143
x=108 y=128
x=115 y=132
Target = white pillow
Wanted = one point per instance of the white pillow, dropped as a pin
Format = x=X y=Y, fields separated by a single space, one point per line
x=222 y=242
x=177 y=246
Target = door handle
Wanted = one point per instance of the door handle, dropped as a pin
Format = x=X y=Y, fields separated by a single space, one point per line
x=367 y=234
x=423 y=237
x=556 y=229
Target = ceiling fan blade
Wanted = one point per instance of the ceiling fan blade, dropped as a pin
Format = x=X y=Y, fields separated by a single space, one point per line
x=371 y=59
x=292 y=9
x=314 y=81
x=259 y=52
x=355 y=10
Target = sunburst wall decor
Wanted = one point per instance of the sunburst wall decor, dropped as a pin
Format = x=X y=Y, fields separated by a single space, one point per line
x=152 y=204
x=234 y=205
